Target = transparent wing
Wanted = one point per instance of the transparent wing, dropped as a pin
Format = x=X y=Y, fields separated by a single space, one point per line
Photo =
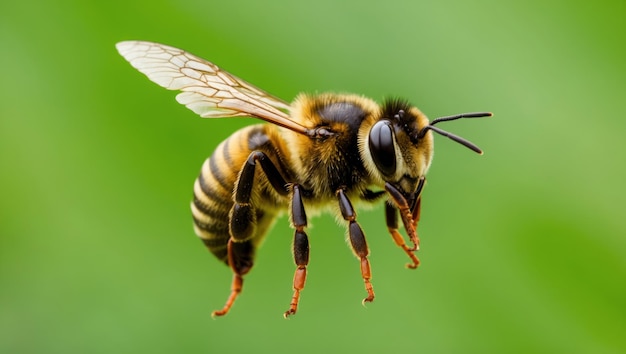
x=207 y=90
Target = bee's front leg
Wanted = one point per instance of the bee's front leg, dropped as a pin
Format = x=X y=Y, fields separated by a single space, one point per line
x=408 y=213
x=391 y=217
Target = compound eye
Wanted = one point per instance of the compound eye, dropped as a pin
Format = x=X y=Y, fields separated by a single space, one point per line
x=382 y=148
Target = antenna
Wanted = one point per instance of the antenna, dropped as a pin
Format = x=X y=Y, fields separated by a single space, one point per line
x=456 y=138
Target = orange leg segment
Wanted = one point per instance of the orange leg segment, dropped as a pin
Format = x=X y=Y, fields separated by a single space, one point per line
x=235 y=290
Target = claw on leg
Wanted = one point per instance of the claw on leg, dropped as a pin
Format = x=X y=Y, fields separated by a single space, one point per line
x=298 y=284
x=367 y=275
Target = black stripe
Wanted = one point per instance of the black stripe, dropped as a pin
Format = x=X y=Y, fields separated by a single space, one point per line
x=216 y=211
x=216 y=227
x=215 y=243
x=221 y=253
x=219 y=176
x=210 y=192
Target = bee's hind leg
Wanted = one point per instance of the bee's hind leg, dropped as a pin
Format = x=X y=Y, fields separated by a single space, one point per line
x=242 y=221
x=240 y=260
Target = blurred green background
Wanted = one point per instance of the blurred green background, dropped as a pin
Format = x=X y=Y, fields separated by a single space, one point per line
x=523 y=249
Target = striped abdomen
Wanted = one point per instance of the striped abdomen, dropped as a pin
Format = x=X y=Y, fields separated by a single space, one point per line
x=213 y=189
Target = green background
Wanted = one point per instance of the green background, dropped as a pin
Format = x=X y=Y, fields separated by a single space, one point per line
x=523 y=248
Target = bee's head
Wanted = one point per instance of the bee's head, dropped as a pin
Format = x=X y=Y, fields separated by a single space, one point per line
x=400 y=144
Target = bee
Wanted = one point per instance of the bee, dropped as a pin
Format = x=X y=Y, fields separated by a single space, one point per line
x=319 y=153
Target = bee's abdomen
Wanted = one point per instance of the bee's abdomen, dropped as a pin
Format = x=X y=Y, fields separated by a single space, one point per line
x=213 y=192
x=212 y=195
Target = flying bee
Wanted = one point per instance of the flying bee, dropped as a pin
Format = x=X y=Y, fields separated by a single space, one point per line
x=321 y=152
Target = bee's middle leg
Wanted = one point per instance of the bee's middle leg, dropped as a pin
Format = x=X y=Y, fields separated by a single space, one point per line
x=300 y=247
x=357 y=240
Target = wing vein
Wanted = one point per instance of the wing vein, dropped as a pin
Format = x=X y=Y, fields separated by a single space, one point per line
x=206 y=89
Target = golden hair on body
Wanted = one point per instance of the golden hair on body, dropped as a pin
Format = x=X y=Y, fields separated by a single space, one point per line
x=321 y=152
